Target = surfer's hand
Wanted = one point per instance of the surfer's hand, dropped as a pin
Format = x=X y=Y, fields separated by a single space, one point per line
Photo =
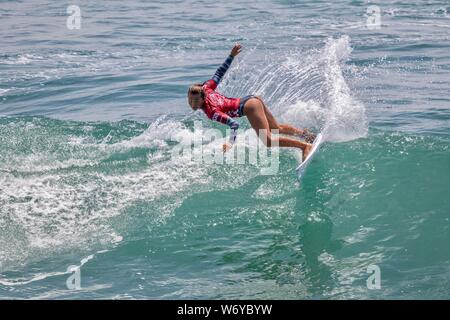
x=226 y=147
x=236 y=49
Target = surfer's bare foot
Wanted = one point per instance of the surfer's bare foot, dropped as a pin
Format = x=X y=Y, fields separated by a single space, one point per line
x=311 y=138
x=308 y=136
x=306 y=151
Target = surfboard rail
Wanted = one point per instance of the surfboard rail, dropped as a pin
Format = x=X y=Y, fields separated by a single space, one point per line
x=301 y=169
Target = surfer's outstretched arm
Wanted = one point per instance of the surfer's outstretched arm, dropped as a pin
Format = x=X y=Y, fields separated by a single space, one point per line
x=220 y=72
x=217 y=77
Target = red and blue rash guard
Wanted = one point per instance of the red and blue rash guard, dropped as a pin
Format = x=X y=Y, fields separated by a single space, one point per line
x=218 y=107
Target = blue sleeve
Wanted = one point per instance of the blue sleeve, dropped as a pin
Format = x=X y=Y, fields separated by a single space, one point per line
x=222 y=69
x=225 y=119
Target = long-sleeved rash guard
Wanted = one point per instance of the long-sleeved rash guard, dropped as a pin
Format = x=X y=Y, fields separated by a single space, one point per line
x=218 y=107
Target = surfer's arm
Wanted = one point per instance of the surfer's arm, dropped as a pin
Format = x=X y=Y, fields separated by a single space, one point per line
x=220 y=72
x=217 y=77
x=226 y=119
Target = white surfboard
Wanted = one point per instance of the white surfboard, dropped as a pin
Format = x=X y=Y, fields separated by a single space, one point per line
x=302 y=167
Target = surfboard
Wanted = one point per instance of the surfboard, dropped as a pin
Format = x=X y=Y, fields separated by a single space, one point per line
x=301 y=169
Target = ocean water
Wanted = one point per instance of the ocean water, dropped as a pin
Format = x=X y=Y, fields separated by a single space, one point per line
x=90 y=119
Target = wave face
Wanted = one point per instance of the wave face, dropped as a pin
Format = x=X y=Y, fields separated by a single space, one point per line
x=91 y=178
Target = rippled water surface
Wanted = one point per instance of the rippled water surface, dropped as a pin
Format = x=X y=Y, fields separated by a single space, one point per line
x=90 y=120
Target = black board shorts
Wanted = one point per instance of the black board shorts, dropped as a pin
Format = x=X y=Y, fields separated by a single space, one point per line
x=242 y=104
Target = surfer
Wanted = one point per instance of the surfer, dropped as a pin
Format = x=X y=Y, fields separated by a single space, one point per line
x=223 y=109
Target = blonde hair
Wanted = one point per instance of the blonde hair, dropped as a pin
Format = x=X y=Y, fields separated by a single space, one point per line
x=196 y=89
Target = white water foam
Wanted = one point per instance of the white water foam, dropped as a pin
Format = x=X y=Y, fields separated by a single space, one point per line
x=62 y=206
x=304 y=89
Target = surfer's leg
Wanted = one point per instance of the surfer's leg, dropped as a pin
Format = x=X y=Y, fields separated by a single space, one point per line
x=254 y=110
x=273 y=124
x=285 y=128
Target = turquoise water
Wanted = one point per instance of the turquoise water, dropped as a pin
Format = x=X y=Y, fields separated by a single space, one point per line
x=90 y=119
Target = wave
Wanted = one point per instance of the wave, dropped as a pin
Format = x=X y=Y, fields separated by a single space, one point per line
x=65 y=184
